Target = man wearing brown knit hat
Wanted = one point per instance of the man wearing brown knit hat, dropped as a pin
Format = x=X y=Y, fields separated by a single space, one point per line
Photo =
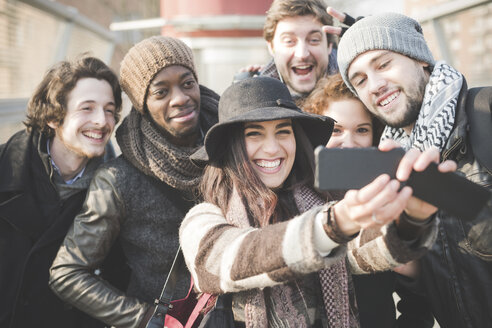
x=140 y=198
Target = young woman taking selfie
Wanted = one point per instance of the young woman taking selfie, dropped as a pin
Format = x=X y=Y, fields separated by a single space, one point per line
x=263 y=234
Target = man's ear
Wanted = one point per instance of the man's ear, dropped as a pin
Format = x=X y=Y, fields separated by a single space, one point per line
x=53 y=125
x=330 y=48
x=425 y=66
x=270 y=47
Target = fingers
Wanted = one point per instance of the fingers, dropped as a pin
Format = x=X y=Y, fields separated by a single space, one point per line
x=251 y=68
x=431 y=155
x=385 y=207
x=447 y=166
x=377 y=203
x=356 y=197
x=415 y=160
x=332 y=30
x=336 y=14
x=388 y=144
x=391 y=210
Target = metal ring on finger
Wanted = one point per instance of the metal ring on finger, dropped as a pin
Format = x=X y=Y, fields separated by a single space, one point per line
x=375 y=219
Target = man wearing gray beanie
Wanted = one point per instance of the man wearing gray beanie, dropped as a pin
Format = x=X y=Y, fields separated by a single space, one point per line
x=139 y=199
x=385 y=61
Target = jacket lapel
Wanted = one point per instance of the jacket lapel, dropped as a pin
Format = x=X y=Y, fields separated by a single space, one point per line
x=21 y=211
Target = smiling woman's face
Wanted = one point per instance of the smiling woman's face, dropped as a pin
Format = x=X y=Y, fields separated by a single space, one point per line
x=271 y=149
x=353 y=127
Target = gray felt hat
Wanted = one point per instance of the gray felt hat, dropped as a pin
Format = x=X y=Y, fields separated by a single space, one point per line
x=255 y=100
x=387 y=31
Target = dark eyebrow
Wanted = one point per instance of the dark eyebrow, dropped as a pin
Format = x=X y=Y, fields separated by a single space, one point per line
x=372 y=61
x=252 y=125
x=283 y=125
x=163 y=82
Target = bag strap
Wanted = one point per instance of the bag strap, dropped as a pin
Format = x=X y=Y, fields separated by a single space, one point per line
x=202 y=302
x=224 y=302
x=163 y=304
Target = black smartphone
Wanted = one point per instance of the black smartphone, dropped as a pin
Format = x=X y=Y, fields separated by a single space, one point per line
x=449 y=191
x=353 y=168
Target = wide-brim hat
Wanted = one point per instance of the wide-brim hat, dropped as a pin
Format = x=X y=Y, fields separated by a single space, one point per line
x=259 y=99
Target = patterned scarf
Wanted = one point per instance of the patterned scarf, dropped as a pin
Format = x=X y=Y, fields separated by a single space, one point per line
x=436 y=118
x=333 y=280
x=143 y=145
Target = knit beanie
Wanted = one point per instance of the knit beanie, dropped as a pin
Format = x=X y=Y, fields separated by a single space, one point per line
x=387 y=31
x=147 y=58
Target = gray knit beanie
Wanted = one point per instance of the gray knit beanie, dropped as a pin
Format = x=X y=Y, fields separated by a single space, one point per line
x=147 y=58
x=388 y=31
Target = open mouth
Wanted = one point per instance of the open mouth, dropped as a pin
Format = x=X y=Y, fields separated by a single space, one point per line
x=302 y=69
x=268 y=165
x=388 y=100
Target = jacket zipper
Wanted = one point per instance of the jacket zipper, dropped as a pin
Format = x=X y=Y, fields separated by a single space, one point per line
x=447 y=152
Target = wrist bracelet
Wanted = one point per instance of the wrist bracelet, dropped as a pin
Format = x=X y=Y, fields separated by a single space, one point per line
x=331 y=227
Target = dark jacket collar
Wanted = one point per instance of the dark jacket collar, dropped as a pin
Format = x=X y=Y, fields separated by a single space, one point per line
x=14 y=161
x=458 y=136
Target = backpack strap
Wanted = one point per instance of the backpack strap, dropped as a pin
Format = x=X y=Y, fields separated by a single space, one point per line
x=479 y=113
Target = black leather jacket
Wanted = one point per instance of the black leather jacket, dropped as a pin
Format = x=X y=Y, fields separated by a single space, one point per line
x=33 y=223
x=457 y=271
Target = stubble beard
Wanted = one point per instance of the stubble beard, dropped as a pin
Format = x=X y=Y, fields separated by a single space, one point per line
x=415 y=98
x=79 y=150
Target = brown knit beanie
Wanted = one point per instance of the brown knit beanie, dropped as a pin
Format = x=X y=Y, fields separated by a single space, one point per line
x=147 y=58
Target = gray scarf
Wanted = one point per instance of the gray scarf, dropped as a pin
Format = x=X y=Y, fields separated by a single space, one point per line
x=436 y=118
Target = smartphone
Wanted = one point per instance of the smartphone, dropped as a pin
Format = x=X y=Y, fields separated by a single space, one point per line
x=354 y=168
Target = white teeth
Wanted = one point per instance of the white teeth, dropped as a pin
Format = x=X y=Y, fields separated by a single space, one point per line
x=303 y=67
x=93 y=135
x=389 y=99
x=268 y=164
